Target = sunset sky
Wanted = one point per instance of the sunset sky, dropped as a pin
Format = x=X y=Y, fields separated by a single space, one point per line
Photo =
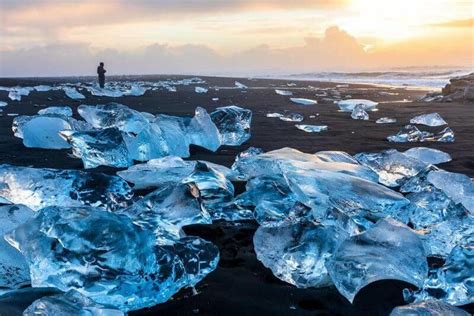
x=223 y=36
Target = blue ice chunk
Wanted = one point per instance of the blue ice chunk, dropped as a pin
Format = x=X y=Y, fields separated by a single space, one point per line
x=202 y=131
x=388 y=250
x=385 y=120
x=303 y=101
x=291 y=117
x=335 y=156
x=233 y=123
x=445 y=136
x=457 y=186
x=71 y=303
x=283 y=92
x=432 y=119
x=312 y=128
x=106 y=257
x=349 y=105
x=58 y=110
x=358 y=113
x=200 y=90
x=428 y=308
x=38 y=188
x=409 y=133
x=297 y=253
x=73 y=93
x=428 y=155
x=43 y=132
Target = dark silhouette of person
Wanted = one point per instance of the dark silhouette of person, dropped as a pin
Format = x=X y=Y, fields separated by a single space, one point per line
x=101 y=73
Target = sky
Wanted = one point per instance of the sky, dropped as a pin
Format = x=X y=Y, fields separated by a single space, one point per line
x=69 y=37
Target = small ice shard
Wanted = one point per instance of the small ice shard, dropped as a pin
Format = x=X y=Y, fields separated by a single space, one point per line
x=297 y=253
x=385 y=120
x=428 y=308
x=239 y=85
x=215 y=99
x=292 y=117
x=303 y=101
x=113 y=115
x=283 y=92
x=135 y=90
x=358 y=113
x=43 y=132
x=2 y=103
x=312 y=128
x=349 y=105
x=457 y=186
x=43 y=88
x=274 y=115
x=73 y=93
x=58 y=110
x=14 y=272
x=38 y=188
x=432 y=119
x=202 y=131
x=106 y=257
x=388 y=250
x=452 y=282
x=428 y=155
x=445 y=136
x=71 y=303
x=99 y=147
x=233 y=123
x=393 y=167
x=14 y=95
x=409 y=133
x=200 y=90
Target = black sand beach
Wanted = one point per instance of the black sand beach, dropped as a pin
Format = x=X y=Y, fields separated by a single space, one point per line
x=241 y=285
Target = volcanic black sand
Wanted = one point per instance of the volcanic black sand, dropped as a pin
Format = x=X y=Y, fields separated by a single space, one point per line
x=241 y=285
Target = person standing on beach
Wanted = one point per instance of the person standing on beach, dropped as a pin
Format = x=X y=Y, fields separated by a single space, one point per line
x=101 y=73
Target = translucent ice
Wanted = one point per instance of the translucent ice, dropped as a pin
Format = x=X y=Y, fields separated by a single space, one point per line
x=43 y=132
x=283 y=92
x=358 y=113
x=99 y=147
x=312 y=128
x=432 y=119
x=303 y=101
x=349 y=105
x=14 y=272
x=428 y=308
x=202 y=131
x=388 y=250
x=2 y=104
x=274 y=115
x=291 y=117
x=298 y=253
x=73 y=93
x=445 y=136
x=43 y=88
x=409 y=133
x=106 y=257
x=335 y=156
x=428 y=155
x=233 y=124
x=457 y=186
x=200 y=90
x=38 y=188
x=71 y=303
x=239 y=85
x=59 y=110
x=385 y=120
x=392 y=166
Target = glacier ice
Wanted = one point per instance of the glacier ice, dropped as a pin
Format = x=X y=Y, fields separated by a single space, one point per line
x=392 y=166
x=358 y=113
x=107 y=258
x=297 y=253
x=291 y=117
x=71 y=303
x=202 y=131
x=445 y=136
x=73 y=93
x=388 y=250
x=200 y=90
x=42 y=88
x=385 y=120
x=312 y=128
x=457 y=186
x=303 y=101
x=58 y=110
x=335 y=156
x=428 y=155
x=283 y=92
x=432 y=119
x=14 y=272
x=2 y=104
x=37 y=188
x=274 y=115
x=43 y=132
x=428 y=308
x=239 y=85
x=411 y=133
x=99 y=147
x=349 y=105
x=233 y=123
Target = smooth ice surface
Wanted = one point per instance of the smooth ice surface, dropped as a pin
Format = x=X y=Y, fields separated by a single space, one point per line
x=38 y=188
x=335 y=156
x=428 y=308
x=99 y=147
x=457 y=186
x=392 y=166
x=71 y=303
x=59 y=110
x=428 y=155
x=233 y=123
x=432 y=119
x=108 y=258
x=200 y=90
x=283 y=92
x=73 y=93
x=312 y=128
x=385 y=120
x=43 y=132
x=298 y=253
x=349 y=105
x=358 y=113
x=291 y=117
x=14 y=272
x=303 y=101
x=2 y=103
x=202 y=131
x=388 y=250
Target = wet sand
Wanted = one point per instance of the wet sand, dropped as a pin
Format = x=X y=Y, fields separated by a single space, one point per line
x=241 y=285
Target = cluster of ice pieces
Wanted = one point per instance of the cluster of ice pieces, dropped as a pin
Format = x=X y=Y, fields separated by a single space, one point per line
x=411 y=133
x=115 y=135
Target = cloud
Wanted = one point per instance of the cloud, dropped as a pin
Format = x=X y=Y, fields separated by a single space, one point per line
x=456 y=23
